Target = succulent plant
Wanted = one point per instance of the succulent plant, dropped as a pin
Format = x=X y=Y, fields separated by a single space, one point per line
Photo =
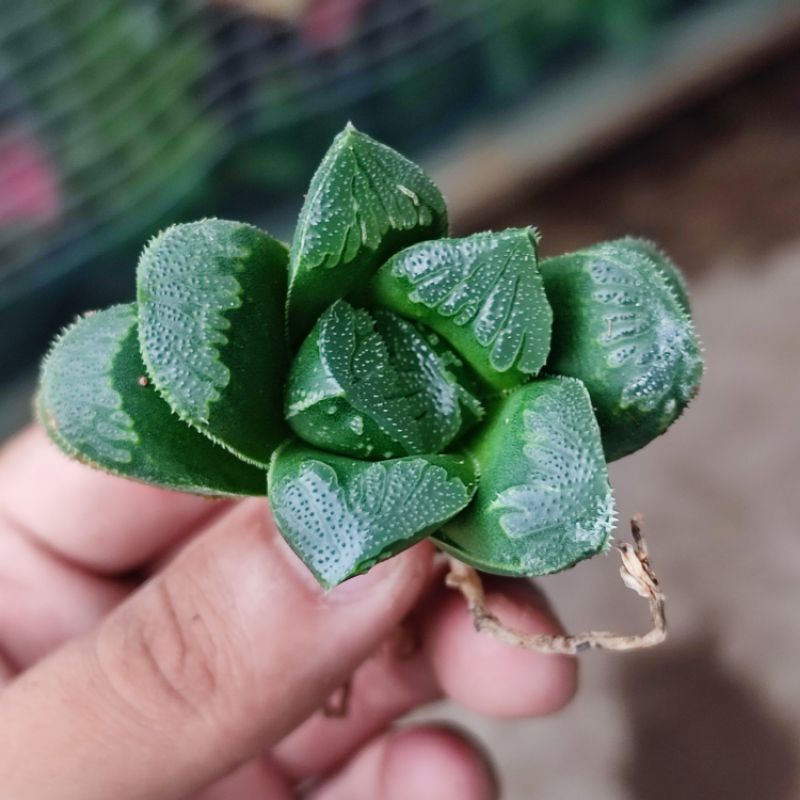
x=380 y=381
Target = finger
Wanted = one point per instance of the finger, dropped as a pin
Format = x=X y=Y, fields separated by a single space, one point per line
x=256 y=780
x=45 y=600
x=488 y=676
x=425 y=763
x=6 y=670
x=97 y=520
x=388 y=685
x=207 y=665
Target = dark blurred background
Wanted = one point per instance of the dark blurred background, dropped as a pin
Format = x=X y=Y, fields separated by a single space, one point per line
x=673 y=119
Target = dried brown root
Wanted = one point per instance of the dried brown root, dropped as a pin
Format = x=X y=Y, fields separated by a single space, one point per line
x=637 y=574
x=337 y=705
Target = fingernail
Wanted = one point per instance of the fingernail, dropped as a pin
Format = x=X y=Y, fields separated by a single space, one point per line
x=407 y=566
x=383 y=577
x=362 y=585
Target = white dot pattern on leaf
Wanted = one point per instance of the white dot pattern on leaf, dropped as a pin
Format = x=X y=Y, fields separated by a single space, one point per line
x=490 y=283
x=187 y=288
x=98 y=405
x=337 y=523
x=80 y=394
x=389 y=373
x=643 y=330
x=386 y=192
x=565 y=503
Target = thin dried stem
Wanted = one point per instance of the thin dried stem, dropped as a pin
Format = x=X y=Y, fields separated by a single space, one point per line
x=637 y=574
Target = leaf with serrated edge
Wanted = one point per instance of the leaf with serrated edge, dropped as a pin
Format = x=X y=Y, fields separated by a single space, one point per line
x=365 y=202
x=342 y=516
x=544 y=501
x=374 y=388
x=661 y=261
x=621 y=327
x=211 y=318
x=97 y=405
x=483 y=294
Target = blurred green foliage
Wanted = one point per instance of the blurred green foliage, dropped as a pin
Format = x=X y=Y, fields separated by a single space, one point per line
x=148 y=111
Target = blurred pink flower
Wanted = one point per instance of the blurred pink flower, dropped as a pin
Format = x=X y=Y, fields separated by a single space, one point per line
x=29 y=187
x=328 y=23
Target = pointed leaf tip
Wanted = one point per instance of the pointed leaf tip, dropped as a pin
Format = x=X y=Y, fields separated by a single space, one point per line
x=365 y=202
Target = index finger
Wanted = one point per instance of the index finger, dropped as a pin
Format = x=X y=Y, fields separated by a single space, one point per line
x=102 y=522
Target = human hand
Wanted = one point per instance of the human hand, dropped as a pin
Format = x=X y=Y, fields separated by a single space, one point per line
x=162 y=646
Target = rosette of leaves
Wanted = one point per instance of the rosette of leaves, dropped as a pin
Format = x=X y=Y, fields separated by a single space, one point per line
x=380 y=381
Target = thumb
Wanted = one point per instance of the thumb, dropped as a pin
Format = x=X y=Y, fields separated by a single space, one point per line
x=211 y=662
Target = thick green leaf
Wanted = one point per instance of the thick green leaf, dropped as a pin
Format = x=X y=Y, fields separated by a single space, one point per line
x=375 y=388
x=544 y=501
x=621 y=327
x=98 y=406
x=342 y=516
x=482 y=293
x=211 y=319
x=365 y=202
